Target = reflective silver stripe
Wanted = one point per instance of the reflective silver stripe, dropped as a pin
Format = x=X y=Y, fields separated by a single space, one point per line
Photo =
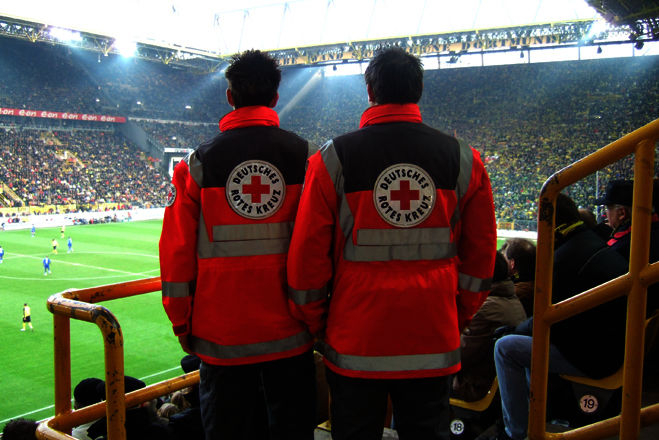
x=473 y=284
x=302 y=297
x=261 y=231
x=238 y=248
x=464 y=177
x=208 y=348
x=332 y=163
x=412 y=252
x=196 y=169
x=374 y=237
x=175 y=290
x=413 y=362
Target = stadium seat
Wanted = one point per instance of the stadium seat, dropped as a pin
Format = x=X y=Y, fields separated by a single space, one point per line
x=592 y=400
x=469 y=419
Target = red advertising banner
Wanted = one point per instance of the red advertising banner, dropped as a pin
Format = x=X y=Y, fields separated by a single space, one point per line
x=60 y=115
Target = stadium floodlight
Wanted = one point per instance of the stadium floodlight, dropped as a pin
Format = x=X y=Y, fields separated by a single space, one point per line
x=64 y=35
x=126 y=48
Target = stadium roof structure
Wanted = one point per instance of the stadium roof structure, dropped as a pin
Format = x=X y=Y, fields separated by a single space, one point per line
x=201 y=34
x=642 y=16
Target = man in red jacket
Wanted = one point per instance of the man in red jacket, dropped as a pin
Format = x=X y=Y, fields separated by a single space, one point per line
x=223 y=248
x=392 y=254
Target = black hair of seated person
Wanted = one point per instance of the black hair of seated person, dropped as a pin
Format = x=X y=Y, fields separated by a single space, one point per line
x=254 y=78
x=500 y=268
x=20 y=429
x=88 y=392
x=567 y=212
x=395 y=77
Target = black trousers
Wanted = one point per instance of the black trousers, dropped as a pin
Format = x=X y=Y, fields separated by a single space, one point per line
x=358 y=407
x=269 y=400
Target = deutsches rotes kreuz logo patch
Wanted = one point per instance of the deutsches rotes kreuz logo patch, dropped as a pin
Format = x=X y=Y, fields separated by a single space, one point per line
x=404 y=195
x=171 y=195
x=255 y=189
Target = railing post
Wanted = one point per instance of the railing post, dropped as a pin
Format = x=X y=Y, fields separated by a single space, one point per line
x=636 y=301
x=62 y=347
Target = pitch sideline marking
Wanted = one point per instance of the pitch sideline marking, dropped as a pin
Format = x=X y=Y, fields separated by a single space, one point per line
x=80 y=264
x=53 y=406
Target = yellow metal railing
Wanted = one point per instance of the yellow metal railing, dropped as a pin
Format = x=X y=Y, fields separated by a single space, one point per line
x=80 y=304
x=634 y=284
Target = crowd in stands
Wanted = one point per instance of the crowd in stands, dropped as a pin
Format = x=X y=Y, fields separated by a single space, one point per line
x=178 y=134
x=78 y=167
x=528 y=121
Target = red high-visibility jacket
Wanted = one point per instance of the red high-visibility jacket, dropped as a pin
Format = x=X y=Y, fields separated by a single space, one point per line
x=393 y=248
x=225 y=240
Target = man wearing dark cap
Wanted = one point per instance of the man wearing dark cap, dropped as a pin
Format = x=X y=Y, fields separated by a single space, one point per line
x=618 y=202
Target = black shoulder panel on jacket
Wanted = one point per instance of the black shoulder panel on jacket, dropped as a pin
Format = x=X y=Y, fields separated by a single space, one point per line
x=283 y=149
x=365 y=153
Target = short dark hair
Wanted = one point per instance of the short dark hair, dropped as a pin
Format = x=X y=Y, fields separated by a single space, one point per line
x=254 y=78
x=567 y=212
x=395 y=76
x=522 y=251
x=20 y=429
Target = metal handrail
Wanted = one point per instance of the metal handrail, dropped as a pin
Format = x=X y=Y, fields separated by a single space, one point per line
x=80 y=304
x=634 y=284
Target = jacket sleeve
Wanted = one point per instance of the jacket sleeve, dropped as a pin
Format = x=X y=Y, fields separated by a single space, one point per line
x=178 y=248
x=310 y=252
x=478 y=242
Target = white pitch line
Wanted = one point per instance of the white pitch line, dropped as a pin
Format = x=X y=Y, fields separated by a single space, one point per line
x=53 y=406
x=80 y=264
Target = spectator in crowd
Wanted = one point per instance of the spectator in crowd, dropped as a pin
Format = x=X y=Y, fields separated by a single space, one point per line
x=142 y=421
x=618 y=200
x=588 y=217
x=501 y=308
x=20 y=429
x=186 y=424
x=391 y=283
x=86 y=392
x=590 y=344
x=520 y=255
x=618 y=203
x=167 y=410
x=257 y=376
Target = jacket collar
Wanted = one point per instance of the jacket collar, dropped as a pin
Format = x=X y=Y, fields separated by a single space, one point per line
x=255 y=115
x=503 y=289
x=385 y=113
x=620 y=232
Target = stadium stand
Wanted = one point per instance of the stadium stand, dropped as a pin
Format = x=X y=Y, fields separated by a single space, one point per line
x=527 y=120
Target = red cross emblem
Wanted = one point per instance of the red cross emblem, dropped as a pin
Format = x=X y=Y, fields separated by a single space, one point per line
x=255 y=189
x=404 y=195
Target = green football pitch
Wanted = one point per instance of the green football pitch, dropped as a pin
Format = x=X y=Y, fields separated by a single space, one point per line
x=102 y=254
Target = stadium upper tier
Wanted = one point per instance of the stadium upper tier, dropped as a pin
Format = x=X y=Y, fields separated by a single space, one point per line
x=527 y=120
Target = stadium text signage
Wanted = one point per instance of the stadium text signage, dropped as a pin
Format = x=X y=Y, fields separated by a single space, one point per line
x=480 y=43
x=60 y=115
